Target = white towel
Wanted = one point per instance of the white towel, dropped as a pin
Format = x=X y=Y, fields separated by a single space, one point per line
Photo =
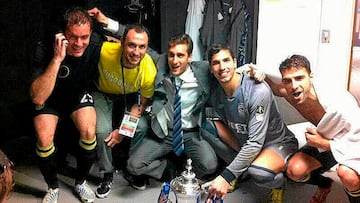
x=341 y=125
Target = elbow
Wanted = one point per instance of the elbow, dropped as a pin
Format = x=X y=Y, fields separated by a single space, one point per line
x=37 y=102
x=36 y=99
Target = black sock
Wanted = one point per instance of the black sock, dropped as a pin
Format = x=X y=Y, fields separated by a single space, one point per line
x=108 y=177
x=48 y=169
x=319 y=180
x=354 y=197
x=85 y=159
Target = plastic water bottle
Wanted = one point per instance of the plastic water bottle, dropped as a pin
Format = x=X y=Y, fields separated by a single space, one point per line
x=164 y=193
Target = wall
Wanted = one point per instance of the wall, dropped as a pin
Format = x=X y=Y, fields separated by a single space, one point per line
x=355 y=67
x=296 y=26
x=334 y=58
x=23 y=23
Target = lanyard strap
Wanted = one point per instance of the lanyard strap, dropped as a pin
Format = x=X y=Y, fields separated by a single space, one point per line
x=138 y=92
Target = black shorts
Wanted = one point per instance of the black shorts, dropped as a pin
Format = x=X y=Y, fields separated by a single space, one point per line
x=62 y=106
x=326 y=158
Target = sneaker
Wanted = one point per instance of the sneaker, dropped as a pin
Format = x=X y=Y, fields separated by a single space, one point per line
x=85 y=192
x=52 y=196
x=321 y=194
x=103 y=190
x=137 y=182
x=277 y=195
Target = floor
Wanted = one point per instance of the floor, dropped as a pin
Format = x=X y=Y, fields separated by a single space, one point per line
x=30 y=186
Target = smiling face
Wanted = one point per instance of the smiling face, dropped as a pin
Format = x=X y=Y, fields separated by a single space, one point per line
x=77 y=28
x=178 y=59
x=135 y=45
x=222 y=66
x=78 y=36
x=297 y=82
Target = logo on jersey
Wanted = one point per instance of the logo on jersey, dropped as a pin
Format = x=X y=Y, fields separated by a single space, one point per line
x=87 y=98
x=260 y=113
x=64 y=71
x=238 y=127
x=241 y=108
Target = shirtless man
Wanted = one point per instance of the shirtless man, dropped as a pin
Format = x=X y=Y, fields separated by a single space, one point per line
x=335 y=139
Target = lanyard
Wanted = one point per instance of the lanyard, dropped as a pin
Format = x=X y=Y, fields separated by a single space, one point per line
x=138 y=92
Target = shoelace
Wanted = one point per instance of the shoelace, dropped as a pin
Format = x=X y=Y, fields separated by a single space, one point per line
x=84 y=189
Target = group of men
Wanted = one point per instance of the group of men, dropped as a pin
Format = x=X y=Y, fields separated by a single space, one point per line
x=107 y=87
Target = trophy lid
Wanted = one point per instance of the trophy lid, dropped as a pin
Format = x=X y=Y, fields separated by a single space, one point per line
x=186 y=184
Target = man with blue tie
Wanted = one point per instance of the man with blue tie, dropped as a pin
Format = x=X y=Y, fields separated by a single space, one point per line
x=178 y=80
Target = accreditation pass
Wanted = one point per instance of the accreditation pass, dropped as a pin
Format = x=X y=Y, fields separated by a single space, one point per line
x=128 y=125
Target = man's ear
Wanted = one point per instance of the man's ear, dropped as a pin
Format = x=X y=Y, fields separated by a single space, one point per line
x=190 y=58
x=311 y=75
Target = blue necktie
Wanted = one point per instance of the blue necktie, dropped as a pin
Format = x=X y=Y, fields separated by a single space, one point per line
x=178 y=144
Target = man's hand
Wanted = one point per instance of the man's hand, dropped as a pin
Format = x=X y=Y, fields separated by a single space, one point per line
x=60 y=45
x=99 y=16
x=258 y=74
x=218 y=187
x=315 y=139
x=136 y=110
x=114 y=138
x=252 y=71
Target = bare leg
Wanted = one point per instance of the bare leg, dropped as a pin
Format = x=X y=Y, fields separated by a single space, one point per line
x=351 y=182
x=85 y=121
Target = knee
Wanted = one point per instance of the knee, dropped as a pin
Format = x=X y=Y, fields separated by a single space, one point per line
x=343 y=171
x=212 y=167
x=265 y=177
x=88 y=132
x=209 y=164
x=45 y=138
x=134 y=165
x=348 y=176
x=296 y=171
x=102 y=131
x=44 y=144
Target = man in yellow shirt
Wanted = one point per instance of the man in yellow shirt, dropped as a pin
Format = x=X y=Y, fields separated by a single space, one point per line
x=125 y=84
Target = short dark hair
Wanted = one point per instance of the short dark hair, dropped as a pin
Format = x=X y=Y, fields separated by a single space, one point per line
x=181 y=39
x=139 y=28
x=295 y=61
x=75 y=16
x=216 y=48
